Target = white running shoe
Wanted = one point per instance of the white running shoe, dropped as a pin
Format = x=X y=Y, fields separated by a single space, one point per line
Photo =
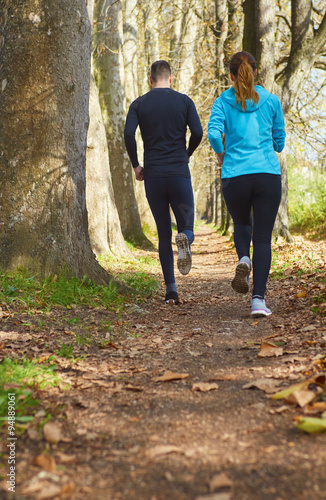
x=259 y=308
x=240 y=282
x=184 y=255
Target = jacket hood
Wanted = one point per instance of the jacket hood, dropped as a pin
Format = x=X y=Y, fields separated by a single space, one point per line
x=228 y=96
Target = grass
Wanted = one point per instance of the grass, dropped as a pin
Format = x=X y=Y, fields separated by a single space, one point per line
x=28 y=372
x=25 y=404
x=28 y=292
x=24 y=373
x=134 y=271
x=307 y=199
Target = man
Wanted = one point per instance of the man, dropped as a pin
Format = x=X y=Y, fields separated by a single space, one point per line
x=163 y=116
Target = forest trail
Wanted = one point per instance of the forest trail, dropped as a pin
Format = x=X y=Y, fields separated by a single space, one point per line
x=126 y=434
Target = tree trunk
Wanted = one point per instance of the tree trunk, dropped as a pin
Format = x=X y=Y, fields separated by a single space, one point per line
x=109 y=73
x=265 y=42
x=130 y=59
x=45 y=61
x=306 y=44
x=103 y=219
x=281 y=227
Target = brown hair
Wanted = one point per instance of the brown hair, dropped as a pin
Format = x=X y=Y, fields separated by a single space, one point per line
x=242 y=67
x=160 y=70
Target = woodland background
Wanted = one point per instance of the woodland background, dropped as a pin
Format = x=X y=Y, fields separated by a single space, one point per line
x=68 y=75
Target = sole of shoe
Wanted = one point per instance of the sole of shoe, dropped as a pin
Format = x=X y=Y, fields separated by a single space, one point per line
x=184 y=256
x=259 y=313
x=239 y=282
x=172 y=302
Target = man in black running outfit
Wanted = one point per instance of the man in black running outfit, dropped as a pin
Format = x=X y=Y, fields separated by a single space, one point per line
x=163 y=116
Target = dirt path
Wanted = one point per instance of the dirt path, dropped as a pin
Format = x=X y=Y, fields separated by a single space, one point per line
x=128 y=435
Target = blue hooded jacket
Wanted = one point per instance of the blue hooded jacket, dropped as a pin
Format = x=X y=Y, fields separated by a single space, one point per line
x=251 y=136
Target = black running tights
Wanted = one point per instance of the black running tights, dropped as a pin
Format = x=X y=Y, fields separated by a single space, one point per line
x=253 y=202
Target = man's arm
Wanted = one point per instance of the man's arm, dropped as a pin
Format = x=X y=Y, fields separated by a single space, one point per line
x=195 y=128
x=129 y=134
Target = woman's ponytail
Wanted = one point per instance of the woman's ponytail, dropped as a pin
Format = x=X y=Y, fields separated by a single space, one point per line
x=242 y=67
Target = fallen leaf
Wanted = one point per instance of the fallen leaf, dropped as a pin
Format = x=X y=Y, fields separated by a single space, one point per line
x=301 y=295
x=312 y=425
x=301 y=398
x=281 y=409
x=204 y=386
x=309 y=328
x=265 y=384
x=52 y=432
x=163 y=450
x=168 y=376
x=219 y=481
x=46 y=462
x=268 y=349
x=43 y=358
x=109 y=344
x=49 y=491
x=135 y=388
x=318 y=381
x=65 y=459
x=317 y=407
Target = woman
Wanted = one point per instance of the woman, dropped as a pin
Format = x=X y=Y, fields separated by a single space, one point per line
x=252 y=120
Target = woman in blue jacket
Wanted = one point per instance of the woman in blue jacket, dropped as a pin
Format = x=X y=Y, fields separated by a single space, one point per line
x=252 y=120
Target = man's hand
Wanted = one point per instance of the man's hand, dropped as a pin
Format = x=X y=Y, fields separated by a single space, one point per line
x=139 y=173
x=220 y=157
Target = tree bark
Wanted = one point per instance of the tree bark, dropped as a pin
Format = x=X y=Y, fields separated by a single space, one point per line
x=109 y=73
x=130 y=59
x=45 y=61
x=103 y=219
x=306 y=45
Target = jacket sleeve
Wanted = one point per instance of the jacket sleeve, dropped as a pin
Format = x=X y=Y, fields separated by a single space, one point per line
x=195 y=128
x=216 y=126
x=278 y=132
x=131 y=125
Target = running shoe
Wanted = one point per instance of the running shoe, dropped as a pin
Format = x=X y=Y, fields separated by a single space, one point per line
x=172 y=298
x=184 y=255
x=259 y=308
x=240 y=282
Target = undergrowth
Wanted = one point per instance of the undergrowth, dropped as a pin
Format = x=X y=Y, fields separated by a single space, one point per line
x=307 y=199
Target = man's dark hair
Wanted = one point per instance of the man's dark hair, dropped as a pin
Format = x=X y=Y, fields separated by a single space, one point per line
x=160 y=70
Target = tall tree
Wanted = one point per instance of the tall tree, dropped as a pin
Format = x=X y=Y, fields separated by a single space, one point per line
x=287 y=76
x=131 y=45
x=109 y=73
x=103 y=219
x=45 y=61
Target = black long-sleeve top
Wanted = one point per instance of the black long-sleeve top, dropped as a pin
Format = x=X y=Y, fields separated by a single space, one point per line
x=163 y=116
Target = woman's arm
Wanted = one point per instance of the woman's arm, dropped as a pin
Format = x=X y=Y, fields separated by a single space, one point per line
x=278 y=132
x=216 y=126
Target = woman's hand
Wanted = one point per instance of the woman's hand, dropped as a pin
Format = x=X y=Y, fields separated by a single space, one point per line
x=220 y=157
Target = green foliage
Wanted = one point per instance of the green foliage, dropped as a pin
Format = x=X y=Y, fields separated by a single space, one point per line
x=66 y=351
x=140 y=282
x=24 y=402
x=134 y=271
x=30 y=292
x=307 y=199
x=28 y=373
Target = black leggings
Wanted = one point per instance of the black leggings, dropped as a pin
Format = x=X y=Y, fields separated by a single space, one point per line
x=261 y=194
x=163 y=193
